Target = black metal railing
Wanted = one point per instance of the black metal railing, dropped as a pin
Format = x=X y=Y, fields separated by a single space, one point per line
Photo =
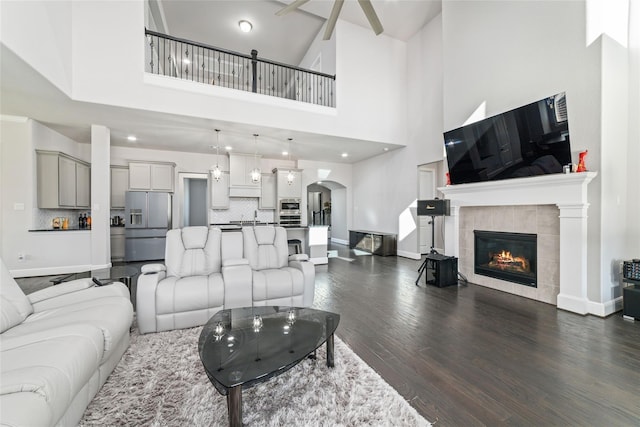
x=188 y=60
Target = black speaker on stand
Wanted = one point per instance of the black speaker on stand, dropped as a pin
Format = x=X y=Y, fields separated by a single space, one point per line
x=441 y=270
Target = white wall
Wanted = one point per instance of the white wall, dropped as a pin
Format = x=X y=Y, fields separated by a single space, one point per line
x=100 y=197
x=326 y=49
x=45 y=252
x=633 y=158
x=500 y=54
x=339 y=229
x=103 y=72
x=98 y=56
x=40 y=32
x=386 y=186
x=313 y=172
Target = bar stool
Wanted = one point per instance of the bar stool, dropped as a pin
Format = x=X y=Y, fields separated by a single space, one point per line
x=297 y=244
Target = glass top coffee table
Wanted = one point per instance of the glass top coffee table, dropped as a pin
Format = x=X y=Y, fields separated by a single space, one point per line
x=245 y=346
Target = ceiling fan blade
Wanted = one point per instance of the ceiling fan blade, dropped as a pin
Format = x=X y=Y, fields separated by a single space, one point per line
x=291 y=7
x=370 y=13
x=333 y=18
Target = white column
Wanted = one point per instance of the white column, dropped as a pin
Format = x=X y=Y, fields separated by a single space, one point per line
x=452 y=232
x=573 y=258
x=100 y=197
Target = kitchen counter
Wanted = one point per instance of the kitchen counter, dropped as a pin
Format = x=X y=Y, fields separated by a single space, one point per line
x=237 y=227
x=59 y=229
x=314 y=238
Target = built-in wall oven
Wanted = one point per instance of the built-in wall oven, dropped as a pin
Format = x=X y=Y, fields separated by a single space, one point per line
x=289 y=212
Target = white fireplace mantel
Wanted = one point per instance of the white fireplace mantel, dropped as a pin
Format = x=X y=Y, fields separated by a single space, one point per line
x=567 y=191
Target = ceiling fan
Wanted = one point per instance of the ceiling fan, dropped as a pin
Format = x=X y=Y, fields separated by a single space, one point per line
x=366 y=6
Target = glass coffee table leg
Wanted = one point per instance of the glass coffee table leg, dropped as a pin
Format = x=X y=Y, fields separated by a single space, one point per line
x=234 y=406
x=330 y=327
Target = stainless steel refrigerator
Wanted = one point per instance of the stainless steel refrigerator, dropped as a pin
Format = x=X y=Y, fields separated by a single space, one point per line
x=147 y=220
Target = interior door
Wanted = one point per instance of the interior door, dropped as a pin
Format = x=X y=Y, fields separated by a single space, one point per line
x=426 y=191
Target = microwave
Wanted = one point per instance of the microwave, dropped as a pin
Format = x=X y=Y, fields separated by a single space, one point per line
x=290 y=205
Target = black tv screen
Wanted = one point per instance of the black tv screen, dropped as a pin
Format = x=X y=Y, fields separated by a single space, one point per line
x=528 y=141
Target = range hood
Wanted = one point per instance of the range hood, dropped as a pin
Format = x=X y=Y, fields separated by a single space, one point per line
x=242 y=191
x=240 y=166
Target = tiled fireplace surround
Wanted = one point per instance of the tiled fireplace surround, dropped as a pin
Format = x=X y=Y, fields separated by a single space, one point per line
x=552 y=206
x=542 y=220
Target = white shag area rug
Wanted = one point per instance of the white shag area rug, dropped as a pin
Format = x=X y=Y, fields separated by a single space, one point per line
x=160 y=381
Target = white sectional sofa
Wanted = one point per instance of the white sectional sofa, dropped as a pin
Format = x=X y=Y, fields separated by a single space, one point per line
x=57 y=348
x=207 y=270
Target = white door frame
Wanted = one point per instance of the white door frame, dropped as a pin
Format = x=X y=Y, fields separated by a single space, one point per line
x=181 y=178
x=423 y=225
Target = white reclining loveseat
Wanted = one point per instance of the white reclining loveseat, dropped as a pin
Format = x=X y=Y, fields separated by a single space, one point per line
x=57 y=348
x=207 y=270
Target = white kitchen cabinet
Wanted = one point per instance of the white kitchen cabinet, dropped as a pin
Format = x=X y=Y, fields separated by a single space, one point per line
x=240 y=167
x=162 y=177
x=151 y=176
x=119 y=186
x=139 y=176
x=286 y=190
x=267 y=191
x=63 y=181
x=219 y=191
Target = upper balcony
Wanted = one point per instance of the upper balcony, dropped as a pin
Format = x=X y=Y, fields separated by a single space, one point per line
x=95 y=75
x=189 y=60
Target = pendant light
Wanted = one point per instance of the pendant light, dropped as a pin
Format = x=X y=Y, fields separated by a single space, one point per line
x=290 y=175
x=216 y=172
x=255 y=172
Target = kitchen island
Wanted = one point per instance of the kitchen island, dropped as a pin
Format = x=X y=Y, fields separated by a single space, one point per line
x=314 y=238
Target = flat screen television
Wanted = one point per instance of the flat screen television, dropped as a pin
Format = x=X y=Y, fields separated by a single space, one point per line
x=528 y=141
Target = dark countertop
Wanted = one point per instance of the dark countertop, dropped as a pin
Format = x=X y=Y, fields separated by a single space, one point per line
x=237 y=227
x=60 y=229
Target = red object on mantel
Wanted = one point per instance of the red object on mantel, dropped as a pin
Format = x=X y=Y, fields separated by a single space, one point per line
x=581 y=165
x=448 y=179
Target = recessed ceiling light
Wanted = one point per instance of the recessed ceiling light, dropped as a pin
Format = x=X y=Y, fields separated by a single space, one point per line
x=228 y=148
x=386 y=148
x=245 y=26
x=319 y=182
x=345 y=154
x=132 y=138
x=285 y=153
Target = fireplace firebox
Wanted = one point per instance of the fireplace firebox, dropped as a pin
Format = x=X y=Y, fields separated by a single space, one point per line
x=506 y=256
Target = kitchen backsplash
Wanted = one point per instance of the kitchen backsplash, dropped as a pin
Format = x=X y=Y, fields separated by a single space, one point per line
x=43 y=218
x=240 y=209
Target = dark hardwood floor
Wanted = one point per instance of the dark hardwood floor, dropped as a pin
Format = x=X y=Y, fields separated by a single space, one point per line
x=469 y=356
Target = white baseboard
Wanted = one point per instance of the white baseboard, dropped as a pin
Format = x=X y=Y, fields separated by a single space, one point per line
x=319 y=260
x=339 y=241
x=604 y=309
x=411 y=255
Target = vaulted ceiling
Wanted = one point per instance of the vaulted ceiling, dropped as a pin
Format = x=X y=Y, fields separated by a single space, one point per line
x=284 y=39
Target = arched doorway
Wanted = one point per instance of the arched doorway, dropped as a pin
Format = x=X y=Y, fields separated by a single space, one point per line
x=327 y=205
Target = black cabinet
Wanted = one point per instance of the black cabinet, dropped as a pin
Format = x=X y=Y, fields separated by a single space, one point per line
x=631 y=300
x=383 y=244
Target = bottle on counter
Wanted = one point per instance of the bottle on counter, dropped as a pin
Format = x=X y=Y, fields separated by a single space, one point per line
x=79 y=220
x=89 y=220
